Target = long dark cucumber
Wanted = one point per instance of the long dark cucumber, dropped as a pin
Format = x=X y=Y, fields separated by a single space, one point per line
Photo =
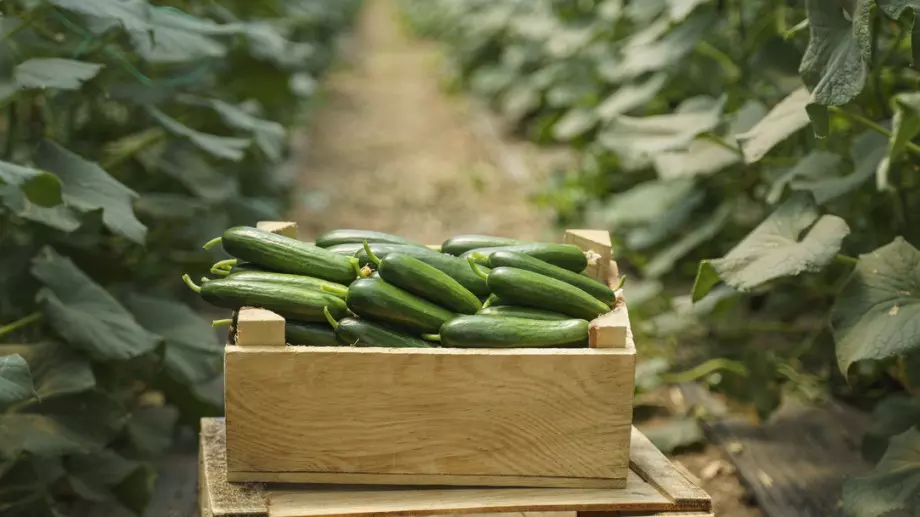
x=526 y=288
x=456 y=268
x=565 y=256
x=301 y=333
x=426 y=281
x=375 y=299
x=364 y=333
x=291 y=302
x=348 y=236
x=462 y=243
x=491 y=332
x=522 y=261
x=287 y=255
x=511 y=311
x=299 y=281
x=348 y=248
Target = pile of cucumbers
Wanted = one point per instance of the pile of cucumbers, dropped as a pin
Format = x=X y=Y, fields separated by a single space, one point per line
x=372 y=289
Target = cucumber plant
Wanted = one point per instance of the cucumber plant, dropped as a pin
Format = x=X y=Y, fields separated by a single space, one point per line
x=758 y=164
x=131 y=131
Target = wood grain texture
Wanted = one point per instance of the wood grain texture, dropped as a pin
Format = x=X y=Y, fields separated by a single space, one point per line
x=224 y=499
x=285 y=228
x=259 y=327
x=656 y=469
x=612 y=330
x=563 y=413
x=597 y=242
x=348 y=478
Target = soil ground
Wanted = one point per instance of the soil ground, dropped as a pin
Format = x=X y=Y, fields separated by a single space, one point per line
x=389 y=150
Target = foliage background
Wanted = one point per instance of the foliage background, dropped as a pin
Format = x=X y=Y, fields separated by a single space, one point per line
x=133 y=131
x=755 y=162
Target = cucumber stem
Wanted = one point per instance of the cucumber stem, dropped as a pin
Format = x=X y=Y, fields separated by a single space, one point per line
x=211 y=243
x=478 y=255
x=329 y=318
x=205 y=279
x=432 y=337
x=356 y=265
x=366 y=271
x=225 y=264
x=338 y=291
x=191 y=285
x=221 y=323
x=219 y=272
x=620 y=283
x=370 y=254
x=476 y=269
x=489 y=301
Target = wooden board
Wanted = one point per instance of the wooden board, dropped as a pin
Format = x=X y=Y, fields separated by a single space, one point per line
x=259 y=327
x=597 y=243
x=516 y=417
x=654 y=487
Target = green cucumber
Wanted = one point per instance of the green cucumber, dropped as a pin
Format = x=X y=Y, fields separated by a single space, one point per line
x=348 y=248
x=364 y=333
x=287 y=255
x=291 y=302
x=566 y=256
x=299 y=281
x=455 y=268
x=526 y=288
x=492 y=332
x=522 y=261
x=510 y=311
x=428 y=282
x=375 y=299
x=462 y=243
x=347 y=236
x=299 y=333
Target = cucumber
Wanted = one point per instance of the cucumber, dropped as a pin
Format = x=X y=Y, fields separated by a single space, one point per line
x=566 y=256
x=455 y=268
x=347 y=236
x=309 y=334
x=492 y=332
x=522 y=261
x=529 y=289
x=299 y=281
x=287 y=255
x=462 y=243
x=348 y=248
x=428 y=282
x=291 y=302
x=375 y=299
x=361 y=332
x=510 y=311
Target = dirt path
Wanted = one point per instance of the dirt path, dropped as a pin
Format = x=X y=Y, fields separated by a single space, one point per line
x=389 y=150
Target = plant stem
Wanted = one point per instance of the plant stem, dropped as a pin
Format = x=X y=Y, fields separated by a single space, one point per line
x=716 y=139
x=710 y=366
x=20 y=323
x=856 y=117
x=846 y=260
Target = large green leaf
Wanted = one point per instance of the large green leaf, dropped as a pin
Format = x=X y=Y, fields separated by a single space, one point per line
x=72 y=424
x=669 y=50
x=173 y=36
x=892 y=416
x=905 y=125
x=867 y=151
x=268 y=135
x=877 y=315
x=893 y=485
x=815 y=165
x=631 y=97
x=56 y=369
x=150 y=430
x=85 y=314
x=87 y=187
x=93 y=475
x=643 y=203
x=193 y=351
x=787 y=117
x=133 y=15
x=219 y=146
x=662 y=262
x=792 y=240
x=895 y=9
x=54 y=73
x=15 y=379
x=836 y=61
x=181 y=161
x=39 y=187
x=60 y=217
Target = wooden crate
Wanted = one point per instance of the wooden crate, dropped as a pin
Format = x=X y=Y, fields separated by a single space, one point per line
x=655 y=487
x=439 y=416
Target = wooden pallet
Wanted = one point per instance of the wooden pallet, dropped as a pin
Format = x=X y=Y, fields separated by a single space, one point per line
x=655 y=487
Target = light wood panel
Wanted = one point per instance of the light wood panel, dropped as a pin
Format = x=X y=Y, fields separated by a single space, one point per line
x=259 y=327
x=597 y=244
x=285 y=228
x=612 y=330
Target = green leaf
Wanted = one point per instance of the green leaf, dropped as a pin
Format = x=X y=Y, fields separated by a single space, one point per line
x=668 y=51
x=706 y=279
x=877 y=314
x=669 y=223
x=868 y=149
x=895 y=9
x=680 y=9
x=905 y=125
x=56 y=369
x=182 y=162
x=787 y=117
x=93 y=475
x=576 y=122
x=631 y=97
x=87 y=187
x=269 y=136
x=643 y=203
x=893 y=485
x=15 y=379
x=40 y=187
x=54 y=73
x=170 y=206
x=705 y=231
x=193 y=351
x=133 y=15
x=85 y=314
x=792 y=240
x=60 y=217
x=135 y=491
x=219 y=146
x=173 y=36
x=893 y=415
x=816 y=164
x=150 y=430
x=679 y=433
x=72 y=424
x=836 y=61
